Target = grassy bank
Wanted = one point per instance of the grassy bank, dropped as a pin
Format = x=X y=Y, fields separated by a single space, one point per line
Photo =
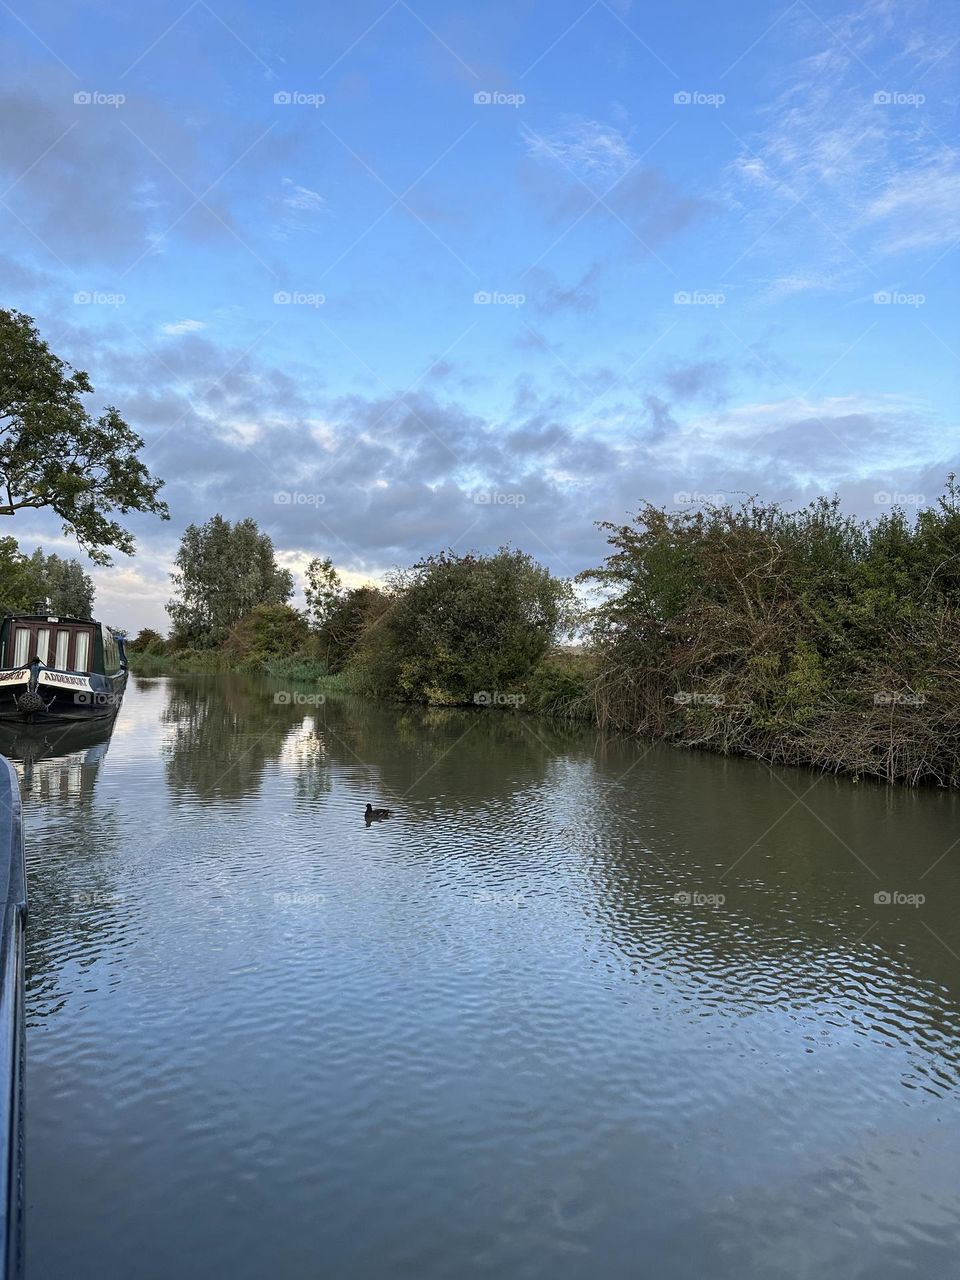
x=559 y=686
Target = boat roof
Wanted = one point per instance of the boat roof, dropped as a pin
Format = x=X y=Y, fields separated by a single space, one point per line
x=47 y=617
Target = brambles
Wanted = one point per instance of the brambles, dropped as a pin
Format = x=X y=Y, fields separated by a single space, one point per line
x=771 y=633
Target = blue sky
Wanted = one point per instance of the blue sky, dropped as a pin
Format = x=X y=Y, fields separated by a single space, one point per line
x=718 y=243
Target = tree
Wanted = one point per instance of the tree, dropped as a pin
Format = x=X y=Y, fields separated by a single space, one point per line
x=323 y=590
x=268 y=631
x=148 y=641
x=347 y=621
x=54 y=453
x=18 y=580
x=464 y=628
x=63 y=584
x=224 y=572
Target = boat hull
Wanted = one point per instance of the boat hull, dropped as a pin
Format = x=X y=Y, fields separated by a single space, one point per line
x=60 y=695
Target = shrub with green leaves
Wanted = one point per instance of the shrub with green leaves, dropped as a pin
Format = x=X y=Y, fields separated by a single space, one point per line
x=458 y=626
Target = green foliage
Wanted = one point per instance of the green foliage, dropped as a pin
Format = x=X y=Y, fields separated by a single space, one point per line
x=65 y=586
x=561 y=685
x=54 y=453
x=459 y=625
x=789 y=635
x=348 y=620
x=148 y=641
x=26 y=581
x=224 y=572
x=268 y=631
x=323 y=590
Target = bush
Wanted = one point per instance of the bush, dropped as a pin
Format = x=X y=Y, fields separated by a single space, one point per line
x=267 y=631
x=347 y=619
x=560 y=685
x=148 y=641
x=459 y=625
x=803 y=637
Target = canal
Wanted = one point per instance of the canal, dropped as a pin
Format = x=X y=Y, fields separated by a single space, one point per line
x=579 y=1008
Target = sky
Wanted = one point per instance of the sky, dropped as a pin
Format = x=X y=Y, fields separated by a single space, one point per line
x=391 y=277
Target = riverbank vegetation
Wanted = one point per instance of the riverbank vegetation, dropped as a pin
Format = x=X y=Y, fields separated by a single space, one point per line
x=799 y=637
x=803 y=637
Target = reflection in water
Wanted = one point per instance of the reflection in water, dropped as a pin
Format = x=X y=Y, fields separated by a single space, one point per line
x=578 y=1002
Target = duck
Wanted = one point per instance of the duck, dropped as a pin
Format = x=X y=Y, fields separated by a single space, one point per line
x=376 y=815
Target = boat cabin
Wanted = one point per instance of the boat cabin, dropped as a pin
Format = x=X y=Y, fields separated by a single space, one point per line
x=65 y=644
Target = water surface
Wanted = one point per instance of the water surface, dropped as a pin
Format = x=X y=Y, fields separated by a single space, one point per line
x=579 y=1009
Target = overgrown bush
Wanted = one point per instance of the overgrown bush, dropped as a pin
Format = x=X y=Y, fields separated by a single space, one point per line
x=268 y=631
x=796 y=636
x=461 y=625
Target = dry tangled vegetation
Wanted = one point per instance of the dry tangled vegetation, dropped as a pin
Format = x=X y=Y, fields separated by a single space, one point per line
x=803 y=637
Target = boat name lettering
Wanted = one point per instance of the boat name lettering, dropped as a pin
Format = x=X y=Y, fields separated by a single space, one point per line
x=57 y=677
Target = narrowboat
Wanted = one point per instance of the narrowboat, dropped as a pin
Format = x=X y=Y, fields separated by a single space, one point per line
x=13 y=901
x=56 y=668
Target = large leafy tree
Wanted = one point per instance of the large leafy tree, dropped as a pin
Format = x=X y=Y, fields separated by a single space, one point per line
x=55 y=453
x=25 y=581
x=323 y=590
x=63 y=584
x=224 y=571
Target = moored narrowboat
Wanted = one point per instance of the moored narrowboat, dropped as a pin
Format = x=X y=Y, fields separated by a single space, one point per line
x=57 y=668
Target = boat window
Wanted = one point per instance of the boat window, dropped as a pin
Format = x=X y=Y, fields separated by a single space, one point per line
x=82 y=655
x=63 y=646
x=43 y=645
x=21 y=644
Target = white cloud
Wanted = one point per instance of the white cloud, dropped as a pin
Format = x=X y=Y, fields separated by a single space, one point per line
x=302 y=198
x=591 y=150
x=175 y=327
